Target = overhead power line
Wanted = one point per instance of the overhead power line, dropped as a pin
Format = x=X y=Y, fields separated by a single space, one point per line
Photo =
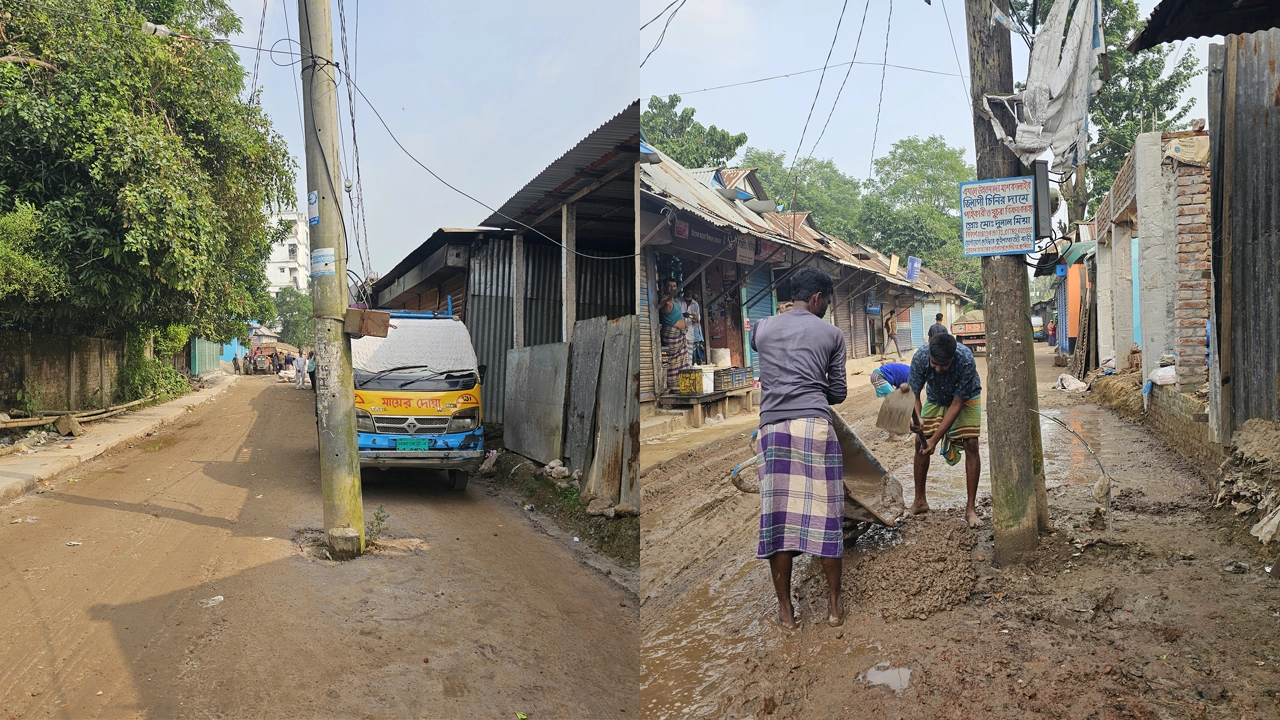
x=880 y=105
x=849 y=69
x=835 y=36
x=814 y=70
x=663 y=35
x=655 y=17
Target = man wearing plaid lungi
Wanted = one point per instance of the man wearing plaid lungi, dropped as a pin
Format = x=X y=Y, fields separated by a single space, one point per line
x=802 y=374
x=950 y=416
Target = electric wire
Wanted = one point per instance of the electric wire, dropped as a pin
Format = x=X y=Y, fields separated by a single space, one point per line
x=955 y=51
x=655 y=17
x=663 y=35
x=358 y=211
x=257 y=55
x=839 y=92
x=814 y=70
x=835 y=36
x=880 y=105
x=297 y=94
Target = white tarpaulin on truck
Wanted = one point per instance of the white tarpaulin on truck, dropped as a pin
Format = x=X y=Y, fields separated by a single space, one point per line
x=441 y=344
x=1060 y=81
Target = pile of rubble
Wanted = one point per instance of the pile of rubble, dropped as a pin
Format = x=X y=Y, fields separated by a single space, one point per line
x=1248 y=477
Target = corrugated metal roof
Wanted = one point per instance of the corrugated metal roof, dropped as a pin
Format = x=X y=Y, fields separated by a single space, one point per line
x=705 y=175
x=1182 y=19
x=670 y=182
x=622 y=131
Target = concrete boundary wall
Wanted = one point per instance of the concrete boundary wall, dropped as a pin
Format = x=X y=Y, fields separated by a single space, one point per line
x=70 y=373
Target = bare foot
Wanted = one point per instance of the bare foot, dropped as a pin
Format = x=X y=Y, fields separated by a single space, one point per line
x=920 y=506
x=974 y=520
x=785 y=619
x=835 y=616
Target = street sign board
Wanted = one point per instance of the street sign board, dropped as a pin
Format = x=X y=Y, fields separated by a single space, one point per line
x=913 y=268
x=997 y=217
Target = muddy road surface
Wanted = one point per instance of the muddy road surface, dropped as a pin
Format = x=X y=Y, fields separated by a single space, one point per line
x=1173 y=616
x=196 y=592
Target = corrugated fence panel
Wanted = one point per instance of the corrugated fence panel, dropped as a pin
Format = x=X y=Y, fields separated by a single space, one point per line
x=204 y=356
x=903 y=315
x=606 y=287
x=489 y=320
x=542 y=295
x=1255 y=225
x=643 y=305
x=840 y=310
x=859 y=324
x=917 y=326
x=763 y=307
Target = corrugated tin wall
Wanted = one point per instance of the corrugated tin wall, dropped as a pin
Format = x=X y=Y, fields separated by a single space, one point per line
x=542 y=294
x=761 y=309
x=489 y=319
x=204 y=356
x=437 y=297
x=859 y=324
x=1251 y=150
x=605 y=287
x=840 y=311
x=902 y=314
x=644 y=305
x=917 y=326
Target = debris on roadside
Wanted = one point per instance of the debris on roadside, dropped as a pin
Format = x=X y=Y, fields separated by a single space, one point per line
x=74 y=543
x=210 y=602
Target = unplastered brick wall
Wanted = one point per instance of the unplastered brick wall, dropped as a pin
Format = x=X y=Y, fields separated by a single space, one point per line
x=64 y=372
x=1191 y=311
x=1182 y=421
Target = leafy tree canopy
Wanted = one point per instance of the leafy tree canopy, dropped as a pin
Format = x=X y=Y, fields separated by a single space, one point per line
x=149 y=175
x=293 y=312
x=817 y=185
x=684 y=139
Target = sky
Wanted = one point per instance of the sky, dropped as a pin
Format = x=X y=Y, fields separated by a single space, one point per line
x=716 y=42
x=485 y=93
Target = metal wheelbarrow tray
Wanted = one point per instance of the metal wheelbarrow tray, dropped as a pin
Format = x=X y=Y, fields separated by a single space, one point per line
x=871 y=496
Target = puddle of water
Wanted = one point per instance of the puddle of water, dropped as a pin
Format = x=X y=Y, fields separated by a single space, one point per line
x=1125 y=450
x=898 y=679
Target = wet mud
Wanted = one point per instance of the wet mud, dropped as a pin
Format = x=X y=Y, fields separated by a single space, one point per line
x=1172 y=615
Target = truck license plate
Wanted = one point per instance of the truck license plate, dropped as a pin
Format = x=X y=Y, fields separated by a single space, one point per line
x=413 y=444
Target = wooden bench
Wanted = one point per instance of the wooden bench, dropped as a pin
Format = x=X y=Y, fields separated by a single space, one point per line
x=707 y=404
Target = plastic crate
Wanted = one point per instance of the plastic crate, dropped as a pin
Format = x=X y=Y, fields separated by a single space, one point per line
x=724 y=379
x=741 y=378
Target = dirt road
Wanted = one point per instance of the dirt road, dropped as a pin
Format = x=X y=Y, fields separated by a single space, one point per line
x=1157 y=623
x=469 y=611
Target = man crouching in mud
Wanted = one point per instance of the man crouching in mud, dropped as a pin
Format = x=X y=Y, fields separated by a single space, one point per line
x=801 y=477
x=950 y=415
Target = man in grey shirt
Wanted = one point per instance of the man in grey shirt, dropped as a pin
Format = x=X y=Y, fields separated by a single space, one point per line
x=802 y=374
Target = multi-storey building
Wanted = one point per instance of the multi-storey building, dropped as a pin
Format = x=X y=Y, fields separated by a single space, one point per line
x=289 y=264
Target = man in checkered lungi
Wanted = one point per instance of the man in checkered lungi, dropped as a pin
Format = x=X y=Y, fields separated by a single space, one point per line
x=949 y=417
x=802 y=374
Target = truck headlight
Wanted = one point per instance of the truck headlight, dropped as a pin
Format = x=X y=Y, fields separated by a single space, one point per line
x=464 y=420
x=364 y=421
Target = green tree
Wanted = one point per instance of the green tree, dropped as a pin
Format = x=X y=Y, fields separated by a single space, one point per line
x=1146 y=92
x=150 y=174
x=293 y=312
x=818 y=187
x=684 y=139
x=911 y=209
x=25 y=273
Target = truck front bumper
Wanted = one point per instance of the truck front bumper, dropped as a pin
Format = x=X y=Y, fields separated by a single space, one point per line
x=468 y=460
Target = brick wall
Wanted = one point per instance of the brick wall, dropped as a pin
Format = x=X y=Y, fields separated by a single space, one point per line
x=1181 y=420
x=1191 y=312
x=71 y=373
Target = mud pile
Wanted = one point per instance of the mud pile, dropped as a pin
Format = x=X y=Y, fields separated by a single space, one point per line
x=928 y=572
x=1257 y=441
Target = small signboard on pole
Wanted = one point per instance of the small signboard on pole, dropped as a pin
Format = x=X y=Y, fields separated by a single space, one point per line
x=997 y=217
x=913 y=268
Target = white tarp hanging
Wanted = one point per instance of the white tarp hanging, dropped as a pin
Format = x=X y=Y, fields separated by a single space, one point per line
x=1061 y=79
x=441 y=345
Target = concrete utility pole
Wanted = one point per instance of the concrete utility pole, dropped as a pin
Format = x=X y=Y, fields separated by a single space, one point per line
x=1018 y=500
x=335 y=393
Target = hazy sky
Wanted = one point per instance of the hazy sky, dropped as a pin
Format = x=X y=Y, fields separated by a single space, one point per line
x=485 y=93
x=715 y=42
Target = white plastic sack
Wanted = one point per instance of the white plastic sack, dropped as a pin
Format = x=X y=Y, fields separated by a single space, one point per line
x=1067 y=382
x=1167 y=375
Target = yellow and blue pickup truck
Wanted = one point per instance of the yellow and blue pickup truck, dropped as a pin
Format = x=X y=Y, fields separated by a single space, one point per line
x=418 y=396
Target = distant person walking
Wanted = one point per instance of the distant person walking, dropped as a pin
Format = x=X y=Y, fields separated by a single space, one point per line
x=299 y=371
x=802 y=373
x=1051 y=332
x=311 y=369
x=891 y=334
x=235 y=363
x=937 y=328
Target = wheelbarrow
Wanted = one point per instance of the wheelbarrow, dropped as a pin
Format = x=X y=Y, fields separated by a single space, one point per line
x=871 y=497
